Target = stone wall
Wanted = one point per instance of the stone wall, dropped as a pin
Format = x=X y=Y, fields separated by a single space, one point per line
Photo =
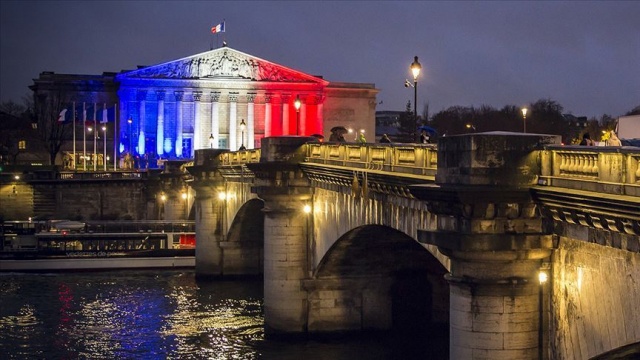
x=595 y=294
x=16 y=201
x=90 y=200
x=106 y=201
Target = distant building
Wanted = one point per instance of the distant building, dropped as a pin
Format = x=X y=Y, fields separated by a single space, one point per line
x=628 y=128
x=221 y=98
x=576 y=121
x=19 y=144
x=388 y=122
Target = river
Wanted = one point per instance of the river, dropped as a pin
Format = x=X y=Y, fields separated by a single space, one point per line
x=166 y=314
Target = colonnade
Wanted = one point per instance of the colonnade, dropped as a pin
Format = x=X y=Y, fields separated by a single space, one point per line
x=182 y=120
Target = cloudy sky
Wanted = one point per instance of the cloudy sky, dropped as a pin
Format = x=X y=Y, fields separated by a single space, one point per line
x=584 y=55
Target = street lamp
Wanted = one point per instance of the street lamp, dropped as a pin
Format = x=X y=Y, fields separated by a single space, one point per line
x=211 y=141
x=130 y=121
x=242 y=126
x=104 y=147
x=542 y=279
x=524 y=117
x=90 y=130
x=415 y=69
x=185 y=197
x=296 y=104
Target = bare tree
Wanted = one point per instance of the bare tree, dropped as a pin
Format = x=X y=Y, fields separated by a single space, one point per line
x=406 y=128
x=425 y=113
x=53 y=133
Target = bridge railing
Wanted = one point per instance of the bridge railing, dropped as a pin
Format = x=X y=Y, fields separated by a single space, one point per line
x=240 y=157
x=415 y=159
x=613 y=170
x=102 y=175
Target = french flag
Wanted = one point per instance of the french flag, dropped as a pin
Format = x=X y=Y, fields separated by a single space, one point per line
x=218 y=28
x=63 y=116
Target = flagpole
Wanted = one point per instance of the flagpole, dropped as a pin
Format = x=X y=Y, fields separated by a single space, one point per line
x=74 y=136
x=104 y=138
x=84 y=136
x=95 y=137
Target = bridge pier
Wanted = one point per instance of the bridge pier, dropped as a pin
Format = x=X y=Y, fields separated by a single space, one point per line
x=285 y=190
x=209 y=217
x=490 y=228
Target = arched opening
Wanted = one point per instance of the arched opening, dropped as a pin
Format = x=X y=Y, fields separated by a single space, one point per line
x=381 y=279
x=243 y=250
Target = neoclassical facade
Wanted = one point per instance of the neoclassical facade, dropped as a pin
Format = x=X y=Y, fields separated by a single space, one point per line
x=222 y=98
x=226 y=99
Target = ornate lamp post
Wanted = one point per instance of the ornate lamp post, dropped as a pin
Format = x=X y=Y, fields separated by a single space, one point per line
x=524 y=118
x=211 y=141
x=130 y=121
x=90 y=130
x=242 y=126
x=104 y=147
x=415 y=69
x=296 y=104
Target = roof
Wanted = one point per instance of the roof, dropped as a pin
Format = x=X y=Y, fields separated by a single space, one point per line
x=222 y=63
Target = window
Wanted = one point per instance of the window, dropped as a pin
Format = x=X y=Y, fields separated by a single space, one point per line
x=22 y=145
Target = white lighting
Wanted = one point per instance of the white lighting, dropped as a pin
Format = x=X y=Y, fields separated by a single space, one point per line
x=542 y=277
x=307 y=209
x=222 y=196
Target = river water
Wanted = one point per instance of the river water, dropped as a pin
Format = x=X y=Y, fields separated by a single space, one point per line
x=166 y=314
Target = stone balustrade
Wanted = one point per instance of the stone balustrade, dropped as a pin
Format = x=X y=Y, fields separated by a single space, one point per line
x=102 y=175
x=611 y=170
x=414 y=159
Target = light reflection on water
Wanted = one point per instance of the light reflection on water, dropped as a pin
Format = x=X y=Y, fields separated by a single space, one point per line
x=126 y=314
x=153 y=314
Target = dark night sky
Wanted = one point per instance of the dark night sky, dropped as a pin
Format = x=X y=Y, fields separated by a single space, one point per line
x=584 y=55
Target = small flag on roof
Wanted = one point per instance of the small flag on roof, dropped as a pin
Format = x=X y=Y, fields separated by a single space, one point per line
x=218 y=28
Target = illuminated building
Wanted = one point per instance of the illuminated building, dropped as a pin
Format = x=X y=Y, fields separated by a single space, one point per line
x=171 y=109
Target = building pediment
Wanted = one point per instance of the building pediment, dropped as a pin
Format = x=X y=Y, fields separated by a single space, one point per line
x=222 y=63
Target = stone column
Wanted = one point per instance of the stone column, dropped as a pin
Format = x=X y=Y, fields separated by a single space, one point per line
x=303 y=116
x=160 y=122
x=215 y=118
x=233 y=119
x=285 y=113
x=142 y=96
x=285 y=190
x=267 y=115
x=489 y=227
x=320 y=110
x=250 y=120
x=179 y=130
x=198 y=133
x=211 y=229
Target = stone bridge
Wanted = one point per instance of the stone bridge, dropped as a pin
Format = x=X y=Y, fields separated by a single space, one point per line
x=518 y=246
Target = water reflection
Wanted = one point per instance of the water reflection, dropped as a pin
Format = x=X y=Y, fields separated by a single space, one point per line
x=158 y=315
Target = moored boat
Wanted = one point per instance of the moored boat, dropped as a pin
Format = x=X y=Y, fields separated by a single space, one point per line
x=38 y=246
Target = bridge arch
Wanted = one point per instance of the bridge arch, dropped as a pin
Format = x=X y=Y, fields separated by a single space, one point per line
x=244 y=242
x=375 y=277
